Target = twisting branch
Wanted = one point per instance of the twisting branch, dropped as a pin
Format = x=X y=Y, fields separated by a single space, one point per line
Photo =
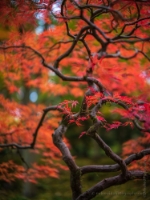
x=58 y=73
x=67 y=157
x=130 y=24
x=68 y=52
x=35 y=134
x=123 y=105
x=114 y=167
x=108 y=182
x=22 y=159
x=108 y=150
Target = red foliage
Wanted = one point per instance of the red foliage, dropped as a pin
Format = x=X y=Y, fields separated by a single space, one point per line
x=92 y=46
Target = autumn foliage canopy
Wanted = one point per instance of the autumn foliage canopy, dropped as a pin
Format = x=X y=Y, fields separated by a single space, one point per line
x=93 y=52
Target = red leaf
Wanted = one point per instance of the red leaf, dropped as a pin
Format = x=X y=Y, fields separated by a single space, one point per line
x=71 y=121
x=82 y=118
x=74 y=103
x=129 y=123
x=100 y=118
x=83 y=133
x=115 y=125
x=78 y=123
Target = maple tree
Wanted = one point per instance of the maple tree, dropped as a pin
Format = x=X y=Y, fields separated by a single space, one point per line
x=97 y=50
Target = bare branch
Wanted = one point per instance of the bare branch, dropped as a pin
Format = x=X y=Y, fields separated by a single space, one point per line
x=108 y=182
x=58 y=73
x=109 y=152
x=114 y=167
x=35 y=134
x=67 y=157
